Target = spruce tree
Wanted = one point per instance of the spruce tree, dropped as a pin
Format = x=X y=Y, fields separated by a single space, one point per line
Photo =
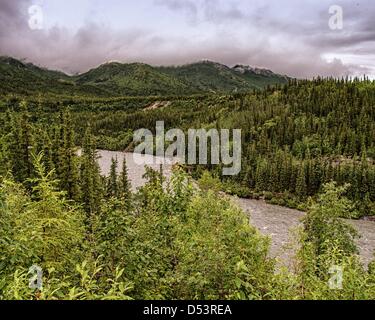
x=68 y=159
x=21 y=145
x=124 y=185
x=112 y=187
x=91 y=182
x=301 y=184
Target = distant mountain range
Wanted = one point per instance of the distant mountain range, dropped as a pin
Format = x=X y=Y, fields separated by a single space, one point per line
x=134 y=79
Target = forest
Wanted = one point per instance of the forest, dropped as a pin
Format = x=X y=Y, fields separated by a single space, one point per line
x=296 y=137
x=306 y=144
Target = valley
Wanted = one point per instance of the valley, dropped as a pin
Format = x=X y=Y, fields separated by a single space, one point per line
x=105 y=228
x=178 y=155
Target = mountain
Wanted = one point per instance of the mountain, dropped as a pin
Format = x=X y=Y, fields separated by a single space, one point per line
x=260 y=77
x=17 y=77
x=134 y=79
x=211 y=76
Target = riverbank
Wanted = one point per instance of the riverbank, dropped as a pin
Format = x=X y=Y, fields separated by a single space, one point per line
x=271 y=220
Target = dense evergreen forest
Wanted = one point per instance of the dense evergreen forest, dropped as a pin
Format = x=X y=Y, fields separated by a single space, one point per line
x=307 y=144
x=296 y=138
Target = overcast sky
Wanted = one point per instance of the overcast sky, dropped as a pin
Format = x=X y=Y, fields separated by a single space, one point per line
x=291 y=37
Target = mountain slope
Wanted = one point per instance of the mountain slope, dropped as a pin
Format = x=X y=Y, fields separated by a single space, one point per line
x=135 y=79
x=259 y=77
x=212 y=76
x=17 y=77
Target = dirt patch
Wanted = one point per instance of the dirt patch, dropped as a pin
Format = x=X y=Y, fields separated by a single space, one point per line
x=157 y=105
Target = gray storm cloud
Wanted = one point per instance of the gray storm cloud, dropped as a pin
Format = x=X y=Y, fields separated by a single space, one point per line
x=289 y=40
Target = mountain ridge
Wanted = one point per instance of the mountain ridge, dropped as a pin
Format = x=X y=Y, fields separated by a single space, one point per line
x=134 y=79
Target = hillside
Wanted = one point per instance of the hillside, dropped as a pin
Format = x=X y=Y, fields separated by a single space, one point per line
x=17 y=77
x=135 y=79
x=212 y=76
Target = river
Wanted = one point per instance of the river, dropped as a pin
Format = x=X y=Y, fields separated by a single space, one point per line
x=276 y=222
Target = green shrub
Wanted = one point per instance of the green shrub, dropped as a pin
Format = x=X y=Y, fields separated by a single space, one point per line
x=268 y=196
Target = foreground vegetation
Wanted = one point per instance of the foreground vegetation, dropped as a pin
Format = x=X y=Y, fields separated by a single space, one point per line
x=174 y=242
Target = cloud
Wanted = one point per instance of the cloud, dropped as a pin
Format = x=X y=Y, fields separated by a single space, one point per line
x=216 y=11
x=188 y=7
x=285 y=39
x=58 y=47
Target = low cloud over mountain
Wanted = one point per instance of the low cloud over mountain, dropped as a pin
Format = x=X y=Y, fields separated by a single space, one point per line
x=285 y=36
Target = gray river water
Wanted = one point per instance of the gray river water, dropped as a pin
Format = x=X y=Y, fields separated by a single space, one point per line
x=276 y=222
